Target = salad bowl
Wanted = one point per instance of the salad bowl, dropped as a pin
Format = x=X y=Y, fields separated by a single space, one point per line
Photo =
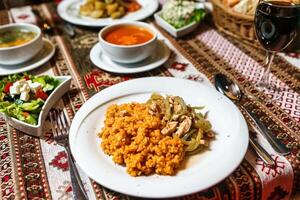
x=180 y=18
x=37 y=130
x=172 y=30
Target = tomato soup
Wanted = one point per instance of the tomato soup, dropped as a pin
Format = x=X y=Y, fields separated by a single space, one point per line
x=128 y=35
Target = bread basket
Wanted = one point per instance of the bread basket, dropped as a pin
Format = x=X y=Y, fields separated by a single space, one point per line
x=238 y=25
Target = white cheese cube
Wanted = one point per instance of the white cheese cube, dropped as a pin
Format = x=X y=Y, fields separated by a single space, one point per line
x=17 y=84
x=25 y=88
x=35 y=86
x=29 y=82
x=22 y=81
x=14 y=90
x=24 y=96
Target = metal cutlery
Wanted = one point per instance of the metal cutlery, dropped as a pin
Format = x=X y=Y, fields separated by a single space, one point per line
x=45 y=26
x=60 y=128
x=262 y=153
x=230 y=89
x=48 y=29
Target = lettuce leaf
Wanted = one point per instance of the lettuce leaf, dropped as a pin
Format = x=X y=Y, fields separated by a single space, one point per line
x=196 y=17
x=32 y=105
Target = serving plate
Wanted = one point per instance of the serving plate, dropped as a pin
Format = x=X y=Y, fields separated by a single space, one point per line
x=198 y=172
x=36 y=130
x=69 y=11
x=157 y=59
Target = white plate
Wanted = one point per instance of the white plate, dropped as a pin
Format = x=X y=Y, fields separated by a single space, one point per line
x=159 y=57
x=69 y=11
x=42 y=57
x=37 y=130
x=200 y=172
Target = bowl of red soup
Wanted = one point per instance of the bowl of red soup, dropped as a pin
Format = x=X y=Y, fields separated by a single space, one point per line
x=19 y=43
x=128 y=42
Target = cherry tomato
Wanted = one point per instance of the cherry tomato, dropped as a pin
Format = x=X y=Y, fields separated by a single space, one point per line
x=7 y=86
x=26 y=77
x=25 y=114
x=41 y=94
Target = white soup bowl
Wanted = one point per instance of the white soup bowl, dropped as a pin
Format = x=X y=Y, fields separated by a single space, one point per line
x=128 y=53
x=19 y=54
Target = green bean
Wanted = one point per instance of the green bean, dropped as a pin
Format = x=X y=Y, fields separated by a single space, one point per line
x=188 y=134
x=197 y=107
x=203 y=124
x=192 y=145
x=168 y=113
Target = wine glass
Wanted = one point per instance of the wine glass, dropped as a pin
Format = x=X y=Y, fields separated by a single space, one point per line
x=277 y=26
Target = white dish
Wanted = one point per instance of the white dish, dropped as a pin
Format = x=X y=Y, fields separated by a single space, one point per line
x=181 y=31
x=36 y=130
x=42 y=57
x=173 y=31
x=159 y=57
x=21 y=53
x=128 y=53
x=69 y=11
x=200 y=172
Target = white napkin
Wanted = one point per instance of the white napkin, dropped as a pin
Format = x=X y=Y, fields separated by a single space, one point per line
x=23 y=15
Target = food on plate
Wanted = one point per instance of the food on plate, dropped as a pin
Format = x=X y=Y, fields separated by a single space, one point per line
x=22 y=96
x=156 y=136
x=108 y=8
x=15 y=37
x=128 y=35
x=181 y=120
x=180 y=13
x=132 y=137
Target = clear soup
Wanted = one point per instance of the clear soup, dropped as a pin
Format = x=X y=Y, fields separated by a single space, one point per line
x=15 y=37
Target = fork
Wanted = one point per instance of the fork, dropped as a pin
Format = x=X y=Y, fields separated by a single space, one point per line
x=60 y=128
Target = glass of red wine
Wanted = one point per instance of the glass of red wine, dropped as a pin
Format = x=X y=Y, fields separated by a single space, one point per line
x=277 y=25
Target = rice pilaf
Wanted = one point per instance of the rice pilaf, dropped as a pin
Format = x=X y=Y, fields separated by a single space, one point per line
x=155 y=136
x=133 y=138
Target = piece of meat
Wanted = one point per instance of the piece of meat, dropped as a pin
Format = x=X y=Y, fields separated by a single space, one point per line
x=184 y=126
x=169 y=128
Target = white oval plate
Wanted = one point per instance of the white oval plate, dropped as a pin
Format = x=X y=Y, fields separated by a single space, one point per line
x=159 y=57
x=37 y=130
x=69 y=11
x=200 y=171
x=41 y=58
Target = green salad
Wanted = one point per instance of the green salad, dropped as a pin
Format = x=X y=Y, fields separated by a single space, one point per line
x=22 y=96
x=180 y=13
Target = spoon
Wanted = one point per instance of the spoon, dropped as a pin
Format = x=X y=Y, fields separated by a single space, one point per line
x=221 y=84
x=230 y=89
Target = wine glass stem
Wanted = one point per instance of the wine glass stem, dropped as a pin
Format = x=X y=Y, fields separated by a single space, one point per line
x=265 y=81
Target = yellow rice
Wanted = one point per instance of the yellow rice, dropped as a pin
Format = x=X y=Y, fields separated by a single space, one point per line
x=132 y=137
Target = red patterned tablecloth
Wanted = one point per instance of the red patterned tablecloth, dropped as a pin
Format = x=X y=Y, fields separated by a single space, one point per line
x=35 y=168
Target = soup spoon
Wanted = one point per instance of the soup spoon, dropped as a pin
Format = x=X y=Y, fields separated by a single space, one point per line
x=230 y=89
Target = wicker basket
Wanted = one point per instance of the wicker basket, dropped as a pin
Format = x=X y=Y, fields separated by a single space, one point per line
x=237 y=25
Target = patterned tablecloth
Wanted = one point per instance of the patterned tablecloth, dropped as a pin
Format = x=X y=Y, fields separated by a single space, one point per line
x=34 y=168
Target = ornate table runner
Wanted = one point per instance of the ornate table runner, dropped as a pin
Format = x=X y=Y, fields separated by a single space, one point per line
x=33 y=168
